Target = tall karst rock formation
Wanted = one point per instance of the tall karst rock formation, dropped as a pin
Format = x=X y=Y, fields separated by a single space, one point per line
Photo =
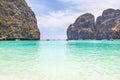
x=106 y=26
x=83 y=28
x=17 y=21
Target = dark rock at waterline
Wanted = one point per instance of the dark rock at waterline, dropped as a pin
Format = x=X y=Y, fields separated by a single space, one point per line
x=17 y=21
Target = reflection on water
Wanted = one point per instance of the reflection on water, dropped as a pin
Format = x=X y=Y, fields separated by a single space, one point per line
x=59 y=60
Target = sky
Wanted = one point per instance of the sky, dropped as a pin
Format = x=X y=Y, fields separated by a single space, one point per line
x=54 y=16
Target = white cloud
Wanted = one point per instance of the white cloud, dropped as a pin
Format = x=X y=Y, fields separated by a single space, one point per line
x=60 y=19
x=65 y=17
x=93 y=6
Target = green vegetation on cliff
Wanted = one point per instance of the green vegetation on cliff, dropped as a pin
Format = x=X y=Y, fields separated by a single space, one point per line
x=17 y=21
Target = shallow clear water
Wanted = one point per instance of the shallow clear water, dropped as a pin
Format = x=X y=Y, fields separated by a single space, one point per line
x=60 y=60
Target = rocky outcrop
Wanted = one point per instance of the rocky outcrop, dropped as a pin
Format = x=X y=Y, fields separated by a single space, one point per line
x=83 y=28
x=17 y=21
x=107 y=26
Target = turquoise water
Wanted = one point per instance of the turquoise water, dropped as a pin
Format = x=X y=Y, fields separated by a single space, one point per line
x=60 y=60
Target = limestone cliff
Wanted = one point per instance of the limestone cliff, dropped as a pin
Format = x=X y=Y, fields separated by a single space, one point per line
x=107 y=26
x=83 y=28
x=17 y=21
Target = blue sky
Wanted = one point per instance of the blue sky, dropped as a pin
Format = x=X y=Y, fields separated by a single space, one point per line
x=54 y=16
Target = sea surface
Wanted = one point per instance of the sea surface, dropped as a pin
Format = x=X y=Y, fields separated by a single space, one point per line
x=60 y=60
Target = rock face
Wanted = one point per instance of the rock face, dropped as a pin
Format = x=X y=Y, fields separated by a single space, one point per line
x=17 y=21
x=83 y=28
x=107 y=26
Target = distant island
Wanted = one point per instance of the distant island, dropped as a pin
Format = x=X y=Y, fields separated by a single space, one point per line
x=107 y=26
x=17 y=21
